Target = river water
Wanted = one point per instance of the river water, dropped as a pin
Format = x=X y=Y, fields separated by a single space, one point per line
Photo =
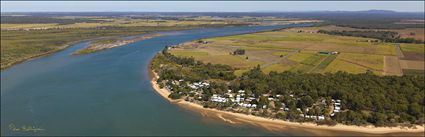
x=107 y=93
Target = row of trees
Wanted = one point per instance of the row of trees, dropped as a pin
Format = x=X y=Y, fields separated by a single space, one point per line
x=385 y=36
x=192 y=70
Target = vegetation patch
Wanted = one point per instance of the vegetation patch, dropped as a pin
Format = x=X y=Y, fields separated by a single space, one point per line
x=277 y=68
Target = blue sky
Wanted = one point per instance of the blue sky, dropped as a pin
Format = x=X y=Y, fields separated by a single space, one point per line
x=206 y=6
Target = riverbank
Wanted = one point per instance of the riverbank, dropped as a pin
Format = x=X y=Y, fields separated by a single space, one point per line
x=274 y=124
x=39 y=55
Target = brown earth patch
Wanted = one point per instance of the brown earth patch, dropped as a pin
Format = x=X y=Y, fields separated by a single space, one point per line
x=392 y=66
x=413 y=56
x=412 y=64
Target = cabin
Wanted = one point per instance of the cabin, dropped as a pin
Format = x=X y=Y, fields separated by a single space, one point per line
x=217 y=98
x=330 y=53
x=239 y=52
x=203 y=42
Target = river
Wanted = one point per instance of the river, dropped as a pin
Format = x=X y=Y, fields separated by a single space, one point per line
x=107 y=93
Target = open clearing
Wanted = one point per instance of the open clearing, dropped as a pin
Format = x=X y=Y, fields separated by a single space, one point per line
x=300 y=51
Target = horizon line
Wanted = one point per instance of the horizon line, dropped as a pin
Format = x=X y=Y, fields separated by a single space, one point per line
x=212 y=11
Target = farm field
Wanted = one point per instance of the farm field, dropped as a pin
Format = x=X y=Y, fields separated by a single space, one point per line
x=300 y=51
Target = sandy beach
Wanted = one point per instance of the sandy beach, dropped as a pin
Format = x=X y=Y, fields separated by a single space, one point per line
x=275 y=124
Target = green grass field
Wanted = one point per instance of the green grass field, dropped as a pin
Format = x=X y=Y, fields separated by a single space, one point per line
x=194 y=54
x=299 y=57
x=415 y=48
x=277 y=68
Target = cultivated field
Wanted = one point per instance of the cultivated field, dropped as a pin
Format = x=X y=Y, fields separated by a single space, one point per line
x=301 y=51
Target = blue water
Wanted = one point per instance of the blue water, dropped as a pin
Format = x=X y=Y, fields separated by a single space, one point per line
x=107 y=93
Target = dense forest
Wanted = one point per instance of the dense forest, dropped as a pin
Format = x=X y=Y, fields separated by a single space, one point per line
x=385 y=36
x=366 y=98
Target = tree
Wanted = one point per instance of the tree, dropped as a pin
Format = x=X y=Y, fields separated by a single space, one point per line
x=307 y=101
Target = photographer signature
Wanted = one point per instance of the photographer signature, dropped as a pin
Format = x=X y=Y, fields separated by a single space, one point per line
x=24 y=128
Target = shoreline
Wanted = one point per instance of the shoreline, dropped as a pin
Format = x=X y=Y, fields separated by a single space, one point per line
x=61 y=48
x=276 y=124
